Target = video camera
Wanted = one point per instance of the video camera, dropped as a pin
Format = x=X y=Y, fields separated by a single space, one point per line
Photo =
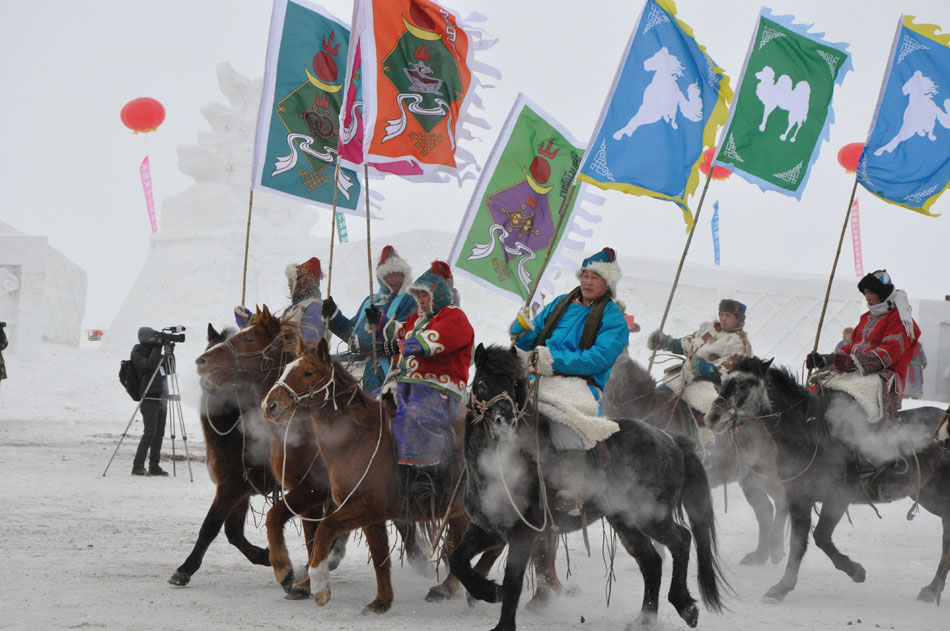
x=171 y=334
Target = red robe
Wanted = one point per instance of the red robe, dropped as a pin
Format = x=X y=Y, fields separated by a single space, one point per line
x=436 y=352
x=880 y=344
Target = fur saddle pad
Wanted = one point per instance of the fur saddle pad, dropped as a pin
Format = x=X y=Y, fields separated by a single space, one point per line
x=867 y=390
x=700 y=395
x=568 y=400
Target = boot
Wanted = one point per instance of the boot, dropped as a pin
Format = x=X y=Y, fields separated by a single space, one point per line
x=156 y=470
x=139 y=470
x=569 y=499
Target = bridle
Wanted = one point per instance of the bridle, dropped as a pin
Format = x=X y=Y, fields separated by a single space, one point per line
x=328 y=390
x=267 y=362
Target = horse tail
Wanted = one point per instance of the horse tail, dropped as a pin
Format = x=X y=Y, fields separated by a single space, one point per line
x=943 y=115
x=692 y=105
x=697 y=500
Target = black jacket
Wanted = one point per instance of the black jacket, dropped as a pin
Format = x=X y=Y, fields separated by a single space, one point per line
x=146 y=357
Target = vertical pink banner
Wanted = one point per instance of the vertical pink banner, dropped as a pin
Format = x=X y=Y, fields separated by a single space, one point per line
x=146 y=175
x=856 y=239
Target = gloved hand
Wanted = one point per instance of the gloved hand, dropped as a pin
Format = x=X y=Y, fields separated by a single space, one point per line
x=241 y=315
x=373 y=316
x=524 y=319
x=843 y=363
x=815 y=360
x=704 y=370
x=543 y=361
x=389 y=347
x=658 y=341
x=329 y=308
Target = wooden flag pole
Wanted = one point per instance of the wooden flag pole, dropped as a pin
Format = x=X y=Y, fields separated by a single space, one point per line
x=247 y=242
x=679 y=270
x=369 y=243
x=834 y=266
x=336 y=189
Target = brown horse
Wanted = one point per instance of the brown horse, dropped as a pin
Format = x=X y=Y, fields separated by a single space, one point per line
x=239 y=465
x=353 y=434
x=746 y=455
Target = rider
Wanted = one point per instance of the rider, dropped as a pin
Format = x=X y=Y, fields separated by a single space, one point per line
x=576 y=340
x=392 y=299
x=305 y=310
x=881 y=348
x=431 y=351
x=711 y=351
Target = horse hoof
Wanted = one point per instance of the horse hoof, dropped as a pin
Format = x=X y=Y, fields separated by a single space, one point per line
x=643 y=621
x=377 y=607
x=927 y=595
x=297 y=594
x=537 y=603
x=777 y=556
x=859 y=575
x=754 y=558
x=322 y=597
x=437 y=594
x=180 y=579
x=288 y=582
x=774 y=595
x=422 y=567
x=690 y=614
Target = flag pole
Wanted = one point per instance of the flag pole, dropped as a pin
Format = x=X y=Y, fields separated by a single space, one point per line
x=834 y=266
x=247 y=242
x=565 y=205
x=369 y=243
x=679 y=270
x=336 y=189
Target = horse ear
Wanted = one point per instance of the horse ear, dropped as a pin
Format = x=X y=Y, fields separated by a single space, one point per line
x=323 y=350
x=478 y=351
x=212 y=334
x=768 y=364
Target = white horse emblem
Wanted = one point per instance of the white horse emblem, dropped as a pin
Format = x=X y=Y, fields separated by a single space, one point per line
x=921 y=113
x=662 y=98
x=780 y=94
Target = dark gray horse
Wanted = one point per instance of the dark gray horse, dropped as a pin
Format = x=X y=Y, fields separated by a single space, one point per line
x=642 y=482
x=745 y=455
x=818 y=462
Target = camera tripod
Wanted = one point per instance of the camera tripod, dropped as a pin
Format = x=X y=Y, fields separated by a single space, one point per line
x=174 y=413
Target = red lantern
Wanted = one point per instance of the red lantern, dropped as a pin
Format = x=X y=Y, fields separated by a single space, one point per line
x=718 y=173
x=850 y=155
x=143 y=114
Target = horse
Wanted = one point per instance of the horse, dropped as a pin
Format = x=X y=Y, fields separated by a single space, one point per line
x=921 y=113
x=352 y=433
x=237 y=464
x=253 y=358
x=782 y=95
x=651 y=479
x=662 y=98
x=819 y=463
x=746 y=455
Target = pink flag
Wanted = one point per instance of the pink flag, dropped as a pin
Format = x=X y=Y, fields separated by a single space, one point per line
x=856 y=239
x=146 y=175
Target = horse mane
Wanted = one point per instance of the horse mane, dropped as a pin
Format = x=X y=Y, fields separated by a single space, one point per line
x=499 y=359
x=783 y=384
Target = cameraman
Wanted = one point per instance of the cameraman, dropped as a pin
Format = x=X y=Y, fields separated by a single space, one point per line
x=3 y=345
x=146 y=357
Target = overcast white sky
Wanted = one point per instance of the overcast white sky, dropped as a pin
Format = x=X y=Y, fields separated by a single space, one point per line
x=68 y=169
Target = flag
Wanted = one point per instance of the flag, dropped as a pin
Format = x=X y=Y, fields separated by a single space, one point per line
x=856 y=240
x=783 y=108
x=295 y=148
x=715 y=232
x=509 y=227
x=667 y=100
x=417 y=61
x=906 y=160
x=145 y=174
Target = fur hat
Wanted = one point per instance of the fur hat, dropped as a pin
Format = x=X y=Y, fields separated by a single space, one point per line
x=305 y=277
x=391 y=263
x=437 y=282
x=604 y=264
x=730 y=305
x=879 y=282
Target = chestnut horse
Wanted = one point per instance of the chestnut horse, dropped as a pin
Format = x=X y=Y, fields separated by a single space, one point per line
x=238 y=464
x=253 y=358
x=352 y=432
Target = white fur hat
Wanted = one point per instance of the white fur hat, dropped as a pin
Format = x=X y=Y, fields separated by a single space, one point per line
x=604 y=264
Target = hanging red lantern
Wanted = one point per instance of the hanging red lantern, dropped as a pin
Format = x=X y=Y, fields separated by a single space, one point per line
x=718 y=173
x=850 y=155
x=143 y=114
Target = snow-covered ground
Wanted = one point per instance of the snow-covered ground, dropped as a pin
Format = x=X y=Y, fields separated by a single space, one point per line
x=83 y=551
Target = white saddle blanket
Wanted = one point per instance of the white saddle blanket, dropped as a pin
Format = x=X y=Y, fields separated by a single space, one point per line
x=865 y=389
x=568 y=400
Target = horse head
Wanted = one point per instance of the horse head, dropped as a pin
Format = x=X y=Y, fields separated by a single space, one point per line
x=919 y=85
x=310 y=381
x=744 y=395
x=663 y=61
x=251 y=350
x=499 y=388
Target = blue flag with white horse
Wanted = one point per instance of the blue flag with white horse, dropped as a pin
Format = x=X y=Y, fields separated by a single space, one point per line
x=667 y=100
x=906 y=160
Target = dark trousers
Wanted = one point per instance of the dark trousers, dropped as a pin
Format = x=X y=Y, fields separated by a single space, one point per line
x=153 y=432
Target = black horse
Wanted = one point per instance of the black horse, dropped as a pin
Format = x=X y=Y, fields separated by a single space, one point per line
x=642 y=483
x=821 y=461
x=746 y=456
x=239 y=466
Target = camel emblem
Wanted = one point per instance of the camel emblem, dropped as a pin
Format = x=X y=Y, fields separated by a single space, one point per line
x=921 y=113
x=780 y=94
x=662 y=98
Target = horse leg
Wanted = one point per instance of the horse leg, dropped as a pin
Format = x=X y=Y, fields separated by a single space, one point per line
x=777 y=534
x=520 y=543
x=337 y=550
x=931 y=593
x=799 y=511
x=277 y=517
x=225 y=499
x=378 y=541
x=640 y=547
x=343 y=519
x=234 y=530
x=759 y=501
x=831 y=514
x=677 y=539
x=547 y=581
x=418 y=559
x=475 y=540
x=447 y=588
